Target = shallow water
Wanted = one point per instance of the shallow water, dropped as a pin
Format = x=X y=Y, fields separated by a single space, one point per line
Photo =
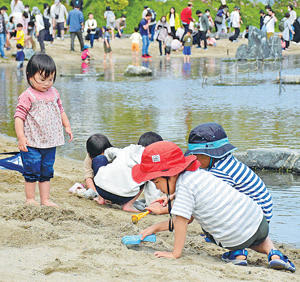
x=255 y=112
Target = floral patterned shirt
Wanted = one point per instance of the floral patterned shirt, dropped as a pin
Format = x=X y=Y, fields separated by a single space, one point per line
x=41 y=113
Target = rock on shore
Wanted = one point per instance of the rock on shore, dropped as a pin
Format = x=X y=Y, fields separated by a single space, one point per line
x=272 y=158
x=137 y=71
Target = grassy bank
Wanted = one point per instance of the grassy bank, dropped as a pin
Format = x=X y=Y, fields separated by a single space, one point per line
x=133 y=9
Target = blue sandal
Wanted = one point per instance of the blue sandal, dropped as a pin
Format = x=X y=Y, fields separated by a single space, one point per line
x=231 y=257
x=282 y=263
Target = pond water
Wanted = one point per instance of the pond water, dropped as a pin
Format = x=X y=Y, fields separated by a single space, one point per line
x=241 y=96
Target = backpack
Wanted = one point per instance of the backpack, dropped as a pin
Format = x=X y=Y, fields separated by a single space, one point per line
x=281 y=25
x=153 y=15
x=46 y=23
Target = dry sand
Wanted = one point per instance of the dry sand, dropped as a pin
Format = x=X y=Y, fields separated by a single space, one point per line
x=81 y=241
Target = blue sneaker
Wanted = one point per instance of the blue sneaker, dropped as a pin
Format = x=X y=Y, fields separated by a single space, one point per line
x=4 y=57
x=282 y=263
x=231 y=257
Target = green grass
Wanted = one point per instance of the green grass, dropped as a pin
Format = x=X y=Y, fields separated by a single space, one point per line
x=133 y=9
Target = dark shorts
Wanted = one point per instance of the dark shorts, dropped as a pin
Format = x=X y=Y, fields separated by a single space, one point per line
x=260 y=235
x=187 y=50
x=60 y=26
x=98 y=162
x=38 y=164
x=168 y=50
x=106 y=49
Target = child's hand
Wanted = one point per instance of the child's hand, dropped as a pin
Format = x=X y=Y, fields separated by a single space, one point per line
x=164 y=255
x=69 y=132
x=22 y=142
x=148 y=231
x=157 y=207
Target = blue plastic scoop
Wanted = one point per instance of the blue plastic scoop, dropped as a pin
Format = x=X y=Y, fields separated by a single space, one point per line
x=136 y=239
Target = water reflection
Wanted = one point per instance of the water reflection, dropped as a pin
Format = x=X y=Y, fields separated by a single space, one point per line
x=177 y=98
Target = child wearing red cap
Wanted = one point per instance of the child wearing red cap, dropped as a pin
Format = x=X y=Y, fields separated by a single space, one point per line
x=231 y=219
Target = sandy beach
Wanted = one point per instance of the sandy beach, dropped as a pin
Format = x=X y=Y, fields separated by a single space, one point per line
x=121 y=48
x=81 y=241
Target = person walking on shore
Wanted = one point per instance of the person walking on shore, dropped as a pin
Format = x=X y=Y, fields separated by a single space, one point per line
x=203 y=27
x=40 y=30
x=174 y=21
x=144 y=31
x=90 y=28
x=236 y=21
x=59 y=14
x=75 y=22
x=269 y=23
x=186 y=17
x=287 y=31
x=2 y=31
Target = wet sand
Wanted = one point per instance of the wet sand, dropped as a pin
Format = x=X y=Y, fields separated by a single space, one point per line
x=81 y=241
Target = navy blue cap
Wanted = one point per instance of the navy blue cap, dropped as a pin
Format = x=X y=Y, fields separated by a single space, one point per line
x=209 y=139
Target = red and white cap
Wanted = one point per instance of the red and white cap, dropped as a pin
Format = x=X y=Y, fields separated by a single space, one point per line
x=163 y=158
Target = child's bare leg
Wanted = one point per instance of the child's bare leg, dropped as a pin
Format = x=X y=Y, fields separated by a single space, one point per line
x=44 y=188
x=265 y=247
x=184 y=58
x=188 y=59
x=104 y=57
x=110 y=57
x=129 y=205
x=30 y=193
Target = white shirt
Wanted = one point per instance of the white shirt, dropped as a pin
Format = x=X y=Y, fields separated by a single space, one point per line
x=59 y=10
x=90 y=24
x=172 y=20
x=116 y=177
x=270 y=23
x=16 y=8
x=235 y=19
x=293 y=16
x=39 y=22
x=135 y=37
x=229 y=216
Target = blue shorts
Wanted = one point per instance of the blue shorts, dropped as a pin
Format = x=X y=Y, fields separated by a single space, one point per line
x=187 y=50
x=38 y=164
x=98 y=162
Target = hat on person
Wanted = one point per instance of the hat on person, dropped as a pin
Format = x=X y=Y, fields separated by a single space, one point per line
x=209 y=139
x=107 y=8
x=35 y=11
x=86 y=47
x=237 y=7
x=145 y=7
x=3 y=8
x=198 y=12
x=19 y=46
x=163 y=158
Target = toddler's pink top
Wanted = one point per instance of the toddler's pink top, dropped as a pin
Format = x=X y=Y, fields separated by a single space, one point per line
x=41 y=113
x=85 y=54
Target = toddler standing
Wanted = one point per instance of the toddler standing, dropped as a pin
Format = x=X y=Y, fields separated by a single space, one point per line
x=39 y=121
x=187 y=43
x=20 y=36
x=106 y=43
x=20 y=56
x=135 y=42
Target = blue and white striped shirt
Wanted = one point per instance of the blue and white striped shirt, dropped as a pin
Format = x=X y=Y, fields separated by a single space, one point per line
x=243 y=179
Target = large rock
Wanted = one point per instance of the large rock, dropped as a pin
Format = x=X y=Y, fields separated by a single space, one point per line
x=137 y=71
x=259 y=48
x=276 y=159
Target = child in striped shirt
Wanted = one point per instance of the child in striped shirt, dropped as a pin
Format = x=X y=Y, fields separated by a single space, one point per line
x=231 y=218
x=209 y=143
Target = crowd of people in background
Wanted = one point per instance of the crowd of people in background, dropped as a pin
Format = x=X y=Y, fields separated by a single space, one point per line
x=173 y=31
